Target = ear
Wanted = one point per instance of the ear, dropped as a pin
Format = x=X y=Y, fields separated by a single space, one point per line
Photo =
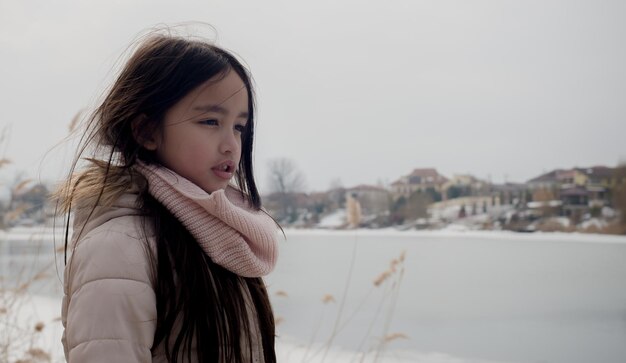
x=145 y=134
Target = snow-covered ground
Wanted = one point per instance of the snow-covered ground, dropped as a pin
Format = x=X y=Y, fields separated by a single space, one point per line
x=335 y=219
x=46 y=310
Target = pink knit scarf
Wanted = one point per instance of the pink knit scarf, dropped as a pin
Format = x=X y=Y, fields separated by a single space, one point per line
x=234 y=236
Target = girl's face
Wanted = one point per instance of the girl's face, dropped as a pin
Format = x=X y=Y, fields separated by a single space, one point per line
x=202 y=133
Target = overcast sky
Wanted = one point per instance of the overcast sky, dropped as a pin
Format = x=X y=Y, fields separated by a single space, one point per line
x=353 y=90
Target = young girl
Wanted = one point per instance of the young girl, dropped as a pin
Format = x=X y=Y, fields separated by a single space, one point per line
x=166 y=254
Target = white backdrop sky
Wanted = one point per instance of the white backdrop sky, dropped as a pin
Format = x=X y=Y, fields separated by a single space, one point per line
x=359 y=91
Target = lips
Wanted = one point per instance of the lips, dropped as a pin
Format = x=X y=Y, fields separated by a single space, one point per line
x=225 y=169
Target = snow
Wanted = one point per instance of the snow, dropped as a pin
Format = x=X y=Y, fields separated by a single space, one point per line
x=608 y=212
x=551 y=203
x=290 y=350
x=29 y=310
x=593 y=222
x=456 y=227
x=555 y=203
x=336 y=219
x=562 y=221
x=47 y=310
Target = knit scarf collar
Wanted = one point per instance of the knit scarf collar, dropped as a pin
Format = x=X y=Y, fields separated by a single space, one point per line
x=233 y=235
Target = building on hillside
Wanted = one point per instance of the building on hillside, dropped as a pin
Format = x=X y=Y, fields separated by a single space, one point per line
x=598 y=196
x=509 y=193
x=418 y=179
x=464 y=185
x=570 y=178
x=575 y=201
x=548 y=181
x=596 y=181
x=336 y=198
x=602 y=176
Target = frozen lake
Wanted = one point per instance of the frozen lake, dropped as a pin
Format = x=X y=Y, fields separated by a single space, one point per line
x=463 y=297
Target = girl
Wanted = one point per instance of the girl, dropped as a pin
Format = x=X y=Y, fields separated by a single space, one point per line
x=166 y=254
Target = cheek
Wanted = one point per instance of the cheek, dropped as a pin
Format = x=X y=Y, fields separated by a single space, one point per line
x=183 y=153
x=240 y=148
x=197 y=152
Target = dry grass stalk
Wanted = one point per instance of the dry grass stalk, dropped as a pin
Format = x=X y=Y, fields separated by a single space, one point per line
x=75 y=120
x=21 y=185
x=328 y=298
x=278 y=320
x=18 y=343
x=382 y=278
x=281 y=293
x=15 y=214
x=389 y=296
x=39 y=327
x=402 y=256
x=35 y=355
x=393 y=268
x=394 y=336
x=394 y=274
x=393 y=265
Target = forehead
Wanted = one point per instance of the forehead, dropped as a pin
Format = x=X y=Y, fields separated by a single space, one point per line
x=227 y=91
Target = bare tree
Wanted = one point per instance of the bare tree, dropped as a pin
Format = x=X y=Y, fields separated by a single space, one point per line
x=285 y=176
x=285 y=180
x=619 y=194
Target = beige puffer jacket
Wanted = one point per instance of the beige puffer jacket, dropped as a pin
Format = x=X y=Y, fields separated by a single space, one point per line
x=109 y=307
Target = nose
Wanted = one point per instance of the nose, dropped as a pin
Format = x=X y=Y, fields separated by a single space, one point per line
x=228 y=142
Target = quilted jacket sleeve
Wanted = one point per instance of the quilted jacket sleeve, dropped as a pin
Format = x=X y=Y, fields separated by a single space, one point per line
x=109 y=307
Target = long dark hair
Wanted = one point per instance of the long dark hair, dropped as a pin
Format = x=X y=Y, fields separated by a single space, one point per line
x=196 y=298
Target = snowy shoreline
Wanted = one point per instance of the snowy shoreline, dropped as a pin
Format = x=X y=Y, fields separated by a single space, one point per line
x=445 y=233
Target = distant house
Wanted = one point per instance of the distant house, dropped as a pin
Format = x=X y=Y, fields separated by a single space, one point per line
x=509 y=193
x=556 y=178
x=598 y=196
x=570 y=178
x=544 y=181
x=418 y=179
x=595 y=181
x=596 y=175
x=575 y=201
x=601 y=176
x=463 y=185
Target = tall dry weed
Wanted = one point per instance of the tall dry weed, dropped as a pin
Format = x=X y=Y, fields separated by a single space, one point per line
x=19 y=340
x=383 y=292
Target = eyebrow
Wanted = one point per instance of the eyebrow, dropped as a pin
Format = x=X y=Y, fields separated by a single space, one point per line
x=219 y=109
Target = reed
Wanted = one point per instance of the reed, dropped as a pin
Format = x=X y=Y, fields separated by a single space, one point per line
x=383 y=293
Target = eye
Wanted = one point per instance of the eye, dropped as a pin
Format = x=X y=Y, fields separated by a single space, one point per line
x=240 y=128
x=208 y=122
